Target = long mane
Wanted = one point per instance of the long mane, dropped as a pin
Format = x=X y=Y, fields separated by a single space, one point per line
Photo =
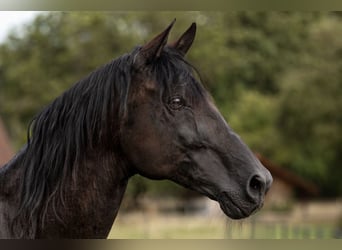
x=74 y=123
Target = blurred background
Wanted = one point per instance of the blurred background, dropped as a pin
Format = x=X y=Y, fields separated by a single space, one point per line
x=275 y=76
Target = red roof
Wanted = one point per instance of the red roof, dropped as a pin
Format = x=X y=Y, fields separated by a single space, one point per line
x=305 y=187
x=6 y=151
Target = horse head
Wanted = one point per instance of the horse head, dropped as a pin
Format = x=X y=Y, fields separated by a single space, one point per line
x=173 y=130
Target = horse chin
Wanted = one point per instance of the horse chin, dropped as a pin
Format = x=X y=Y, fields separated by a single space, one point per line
x=233 y=210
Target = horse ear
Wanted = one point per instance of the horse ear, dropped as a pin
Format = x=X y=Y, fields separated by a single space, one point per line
x=184 y=43
x=153 y=49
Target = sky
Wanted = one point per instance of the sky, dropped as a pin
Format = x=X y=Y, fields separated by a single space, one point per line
x=14 y=20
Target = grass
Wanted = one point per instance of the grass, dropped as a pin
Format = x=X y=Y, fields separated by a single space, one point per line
x=144 y=226
x=155 y=226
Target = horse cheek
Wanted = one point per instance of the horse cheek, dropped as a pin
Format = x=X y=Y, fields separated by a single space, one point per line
x=144 y=147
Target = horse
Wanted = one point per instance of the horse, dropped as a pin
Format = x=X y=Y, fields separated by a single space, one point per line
x=145 y=112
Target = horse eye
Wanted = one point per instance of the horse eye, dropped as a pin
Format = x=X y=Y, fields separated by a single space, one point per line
x=176 y=102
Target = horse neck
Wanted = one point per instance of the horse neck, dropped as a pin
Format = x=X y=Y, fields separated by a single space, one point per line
x=10 y=175
x=9 y=196
x=93 y=199
x=91 y=202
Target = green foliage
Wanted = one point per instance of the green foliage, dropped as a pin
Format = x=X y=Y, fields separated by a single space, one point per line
x=310 y=118
x=253 y=118
x=275 y=76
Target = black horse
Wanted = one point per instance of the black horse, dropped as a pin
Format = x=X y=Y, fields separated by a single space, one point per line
x=143 y=113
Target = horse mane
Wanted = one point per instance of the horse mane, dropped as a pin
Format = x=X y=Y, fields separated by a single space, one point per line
x=84 y=117
x=74 y=123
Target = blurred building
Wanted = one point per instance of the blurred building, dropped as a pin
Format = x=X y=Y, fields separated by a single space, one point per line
x=287 y=186
x=6 y=150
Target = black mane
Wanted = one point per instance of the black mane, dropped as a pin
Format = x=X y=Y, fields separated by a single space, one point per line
x=73 y=124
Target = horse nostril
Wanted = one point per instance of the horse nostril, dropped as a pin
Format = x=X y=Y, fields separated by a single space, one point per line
x=255 y=183
x=256 y=186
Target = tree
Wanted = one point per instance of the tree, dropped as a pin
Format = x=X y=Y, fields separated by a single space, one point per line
x=310 y=118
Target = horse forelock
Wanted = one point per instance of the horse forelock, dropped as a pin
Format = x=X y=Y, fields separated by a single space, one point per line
x=171 y=70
